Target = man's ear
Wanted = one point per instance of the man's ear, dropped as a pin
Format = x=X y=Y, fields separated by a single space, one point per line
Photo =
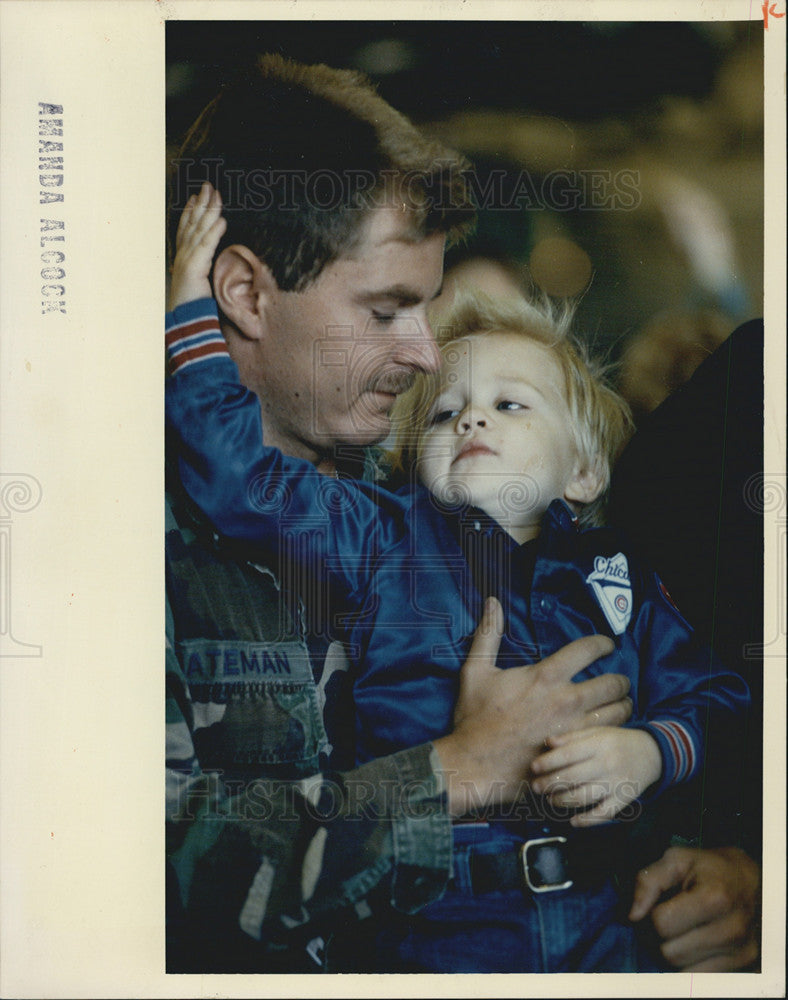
x=588 y=481
x=244 y=288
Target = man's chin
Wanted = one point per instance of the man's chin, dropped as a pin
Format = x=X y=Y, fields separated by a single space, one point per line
x=361 y=436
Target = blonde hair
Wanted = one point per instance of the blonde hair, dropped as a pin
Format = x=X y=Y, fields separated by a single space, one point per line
x=601 y=419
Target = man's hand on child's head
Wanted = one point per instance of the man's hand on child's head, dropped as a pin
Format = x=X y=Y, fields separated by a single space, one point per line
x=599 y=770
x=199 y=231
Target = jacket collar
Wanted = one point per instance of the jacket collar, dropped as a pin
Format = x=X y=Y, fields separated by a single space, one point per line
x=468 y=522
x=559 y=516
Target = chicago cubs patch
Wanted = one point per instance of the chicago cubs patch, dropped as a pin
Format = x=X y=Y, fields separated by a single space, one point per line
x=612 y=589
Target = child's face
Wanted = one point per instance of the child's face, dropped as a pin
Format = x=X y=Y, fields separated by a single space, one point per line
x=499 y=434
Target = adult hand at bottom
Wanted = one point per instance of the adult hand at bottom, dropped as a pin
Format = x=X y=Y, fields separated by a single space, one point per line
x=712 y=924
x=503 y=717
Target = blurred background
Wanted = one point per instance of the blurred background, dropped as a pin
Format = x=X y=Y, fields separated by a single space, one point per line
x=620 y=164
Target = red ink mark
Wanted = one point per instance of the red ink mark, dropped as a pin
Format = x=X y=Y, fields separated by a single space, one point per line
x=768 y=9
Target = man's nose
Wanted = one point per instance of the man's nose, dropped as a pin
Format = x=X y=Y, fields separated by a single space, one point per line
x=417 y=349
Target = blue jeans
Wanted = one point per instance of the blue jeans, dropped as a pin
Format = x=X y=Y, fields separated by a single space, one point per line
x=513 y=930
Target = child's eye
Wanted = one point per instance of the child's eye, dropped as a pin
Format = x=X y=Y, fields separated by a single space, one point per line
x=442 y=416
x=510 y=405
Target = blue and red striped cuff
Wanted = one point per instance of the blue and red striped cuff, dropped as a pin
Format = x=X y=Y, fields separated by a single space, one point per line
x=679 y=755
x=192 y=334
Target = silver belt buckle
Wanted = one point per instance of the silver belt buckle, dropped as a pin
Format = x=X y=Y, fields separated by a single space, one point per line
x=553 y=886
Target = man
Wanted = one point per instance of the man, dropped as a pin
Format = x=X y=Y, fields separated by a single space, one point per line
x=686 y=491
x=337 y=212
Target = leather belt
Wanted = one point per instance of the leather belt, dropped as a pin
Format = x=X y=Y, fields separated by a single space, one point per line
x=544 y=864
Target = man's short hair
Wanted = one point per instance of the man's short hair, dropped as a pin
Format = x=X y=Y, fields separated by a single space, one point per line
x=300 y=153
x=601 y=419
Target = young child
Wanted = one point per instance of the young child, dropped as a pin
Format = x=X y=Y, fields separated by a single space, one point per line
x=512 y=444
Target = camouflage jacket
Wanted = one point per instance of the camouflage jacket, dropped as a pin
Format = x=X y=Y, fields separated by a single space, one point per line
x=270 y=844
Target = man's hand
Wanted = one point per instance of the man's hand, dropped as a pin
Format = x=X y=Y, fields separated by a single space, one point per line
x=712 y=924
x=199 y=231
x=503 y=717
x=604 y=768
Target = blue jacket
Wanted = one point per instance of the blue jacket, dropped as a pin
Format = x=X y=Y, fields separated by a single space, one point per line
x=402 y=579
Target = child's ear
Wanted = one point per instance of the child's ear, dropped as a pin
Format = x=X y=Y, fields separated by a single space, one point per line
x=244 y=288
x=587 y=482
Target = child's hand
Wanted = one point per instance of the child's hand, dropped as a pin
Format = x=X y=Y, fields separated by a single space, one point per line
x=199 y=231
x=604 y=768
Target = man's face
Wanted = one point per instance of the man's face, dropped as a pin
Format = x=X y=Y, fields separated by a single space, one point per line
x=336 y=355
x=499 y=434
